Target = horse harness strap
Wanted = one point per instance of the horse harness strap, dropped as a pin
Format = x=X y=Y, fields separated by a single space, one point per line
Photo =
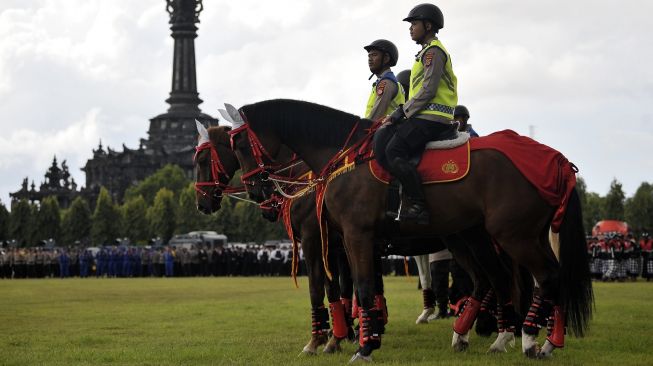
x=217 y=171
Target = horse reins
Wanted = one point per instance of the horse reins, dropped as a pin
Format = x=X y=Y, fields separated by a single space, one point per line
x=218 y=173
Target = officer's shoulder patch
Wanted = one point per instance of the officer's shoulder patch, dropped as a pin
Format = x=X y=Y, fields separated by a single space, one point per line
x=428 y=58
x=381 y=87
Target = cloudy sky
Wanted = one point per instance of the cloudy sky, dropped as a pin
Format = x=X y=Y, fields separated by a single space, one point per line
x=577 y=73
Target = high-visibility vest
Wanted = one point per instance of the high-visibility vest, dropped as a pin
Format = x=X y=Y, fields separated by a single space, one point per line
x=446 y=97
x=399 y=98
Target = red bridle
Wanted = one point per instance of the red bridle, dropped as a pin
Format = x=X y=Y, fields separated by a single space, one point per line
x=218 y=173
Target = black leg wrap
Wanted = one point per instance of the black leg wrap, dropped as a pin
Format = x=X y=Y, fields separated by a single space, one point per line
x=506 y=318
x=371 y=327
x=429 y=298
x=320 y=320
x=537 y=315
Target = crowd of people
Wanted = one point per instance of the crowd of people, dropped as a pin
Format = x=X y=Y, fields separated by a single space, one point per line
x=615 y=257
x=168 y=261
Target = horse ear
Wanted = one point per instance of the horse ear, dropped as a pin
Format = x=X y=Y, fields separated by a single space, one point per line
x=235 y=115
x=226 y=116
x=204 y=134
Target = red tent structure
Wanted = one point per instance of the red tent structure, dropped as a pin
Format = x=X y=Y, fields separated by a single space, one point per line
x=610 y=226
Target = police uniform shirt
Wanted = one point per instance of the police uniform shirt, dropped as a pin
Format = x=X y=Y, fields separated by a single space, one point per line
x=433 y=71
x=386 y=91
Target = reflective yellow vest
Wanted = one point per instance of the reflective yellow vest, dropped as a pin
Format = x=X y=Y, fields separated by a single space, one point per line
x=400 y=97
x=446 y=97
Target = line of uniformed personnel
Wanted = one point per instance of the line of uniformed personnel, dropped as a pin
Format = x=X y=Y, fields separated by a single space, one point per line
x=122 y=262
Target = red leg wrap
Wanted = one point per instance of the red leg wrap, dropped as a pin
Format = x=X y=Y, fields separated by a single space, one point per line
x=338 y=319
x=465 y=320
x=557 y=332
x=379 y=304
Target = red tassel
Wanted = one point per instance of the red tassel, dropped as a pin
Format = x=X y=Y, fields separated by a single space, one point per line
x=557 y=336
x=338 y=319
x=465 y=320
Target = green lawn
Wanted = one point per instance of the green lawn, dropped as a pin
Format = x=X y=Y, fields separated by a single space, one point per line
x=266 y=321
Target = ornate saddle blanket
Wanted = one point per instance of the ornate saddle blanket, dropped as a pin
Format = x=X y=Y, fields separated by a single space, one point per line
x=436 y=166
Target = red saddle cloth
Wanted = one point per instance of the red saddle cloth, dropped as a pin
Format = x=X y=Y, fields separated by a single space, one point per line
x=546 y=169
x=436 y=166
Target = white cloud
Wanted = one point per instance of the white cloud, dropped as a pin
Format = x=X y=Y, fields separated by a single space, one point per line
x=76 y=70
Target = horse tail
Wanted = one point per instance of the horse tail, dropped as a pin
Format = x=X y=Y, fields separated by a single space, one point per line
x=576 y=295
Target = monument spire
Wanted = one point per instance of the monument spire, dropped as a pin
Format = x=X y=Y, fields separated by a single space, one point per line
x=183 y=16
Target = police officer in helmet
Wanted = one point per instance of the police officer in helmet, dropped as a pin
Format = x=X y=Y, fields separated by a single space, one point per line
x=461 y=115
x=427 y=114
x=387 y=94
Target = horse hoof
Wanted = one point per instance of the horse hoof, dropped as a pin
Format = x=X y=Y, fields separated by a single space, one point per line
x=460 y=342
x=332 y=346
x=503 y=339
x=546 y=351
x=309 y=351
x=358 y=358
x=424 y=316
x=529 y=345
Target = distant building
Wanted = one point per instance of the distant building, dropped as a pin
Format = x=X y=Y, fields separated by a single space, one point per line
x=171 y=136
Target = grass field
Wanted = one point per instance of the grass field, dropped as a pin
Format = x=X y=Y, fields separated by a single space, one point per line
x=266 y=321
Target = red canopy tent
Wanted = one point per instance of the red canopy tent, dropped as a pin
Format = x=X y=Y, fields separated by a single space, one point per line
x=610 y=226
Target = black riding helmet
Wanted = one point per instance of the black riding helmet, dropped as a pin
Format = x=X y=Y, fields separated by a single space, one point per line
x=404 y=79
x=387 y=47
x=428 y=12
x=460 y=110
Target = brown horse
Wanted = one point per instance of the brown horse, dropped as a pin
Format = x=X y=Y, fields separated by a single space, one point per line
x=304 y=222
x=486 y=268
x=214 y=158
x=494 y=195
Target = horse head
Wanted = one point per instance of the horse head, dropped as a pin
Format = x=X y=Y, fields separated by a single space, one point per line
x=256 y=155
x=216 y=164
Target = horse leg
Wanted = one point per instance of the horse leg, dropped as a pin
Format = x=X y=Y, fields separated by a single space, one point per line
x=469 y=309
x=346 y=292
x=336 y=306
x=360 y=252
x=311 y=246
x=427 y=293
x=542 y=264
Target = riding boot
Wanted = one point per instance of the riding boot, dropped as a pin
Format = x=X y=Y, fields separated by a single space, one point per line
x=414 y=209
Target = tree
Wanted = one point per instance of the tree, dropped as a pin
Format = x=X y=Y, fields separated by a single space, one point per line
x=134 y=214
x=48 y=220
x=170 y=176
x=162 y=215
x=639 y=208
x=4 y=222
x=20 y=222
x=76 y=222
x=188 y=217
x=224 y=221
x=106 y=220
x=614 y=202
x=592 y=211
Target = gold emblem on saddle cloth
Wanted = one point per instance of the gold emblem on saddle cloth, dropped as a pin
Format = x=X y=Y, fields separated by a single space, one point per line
x=450 y=167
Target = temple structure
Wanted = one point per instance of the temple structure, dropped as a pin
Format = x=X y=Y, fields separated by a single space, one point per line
x=171 y=136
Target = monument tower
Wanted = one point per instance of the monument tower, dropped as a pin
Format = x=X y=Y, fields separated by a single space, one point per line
x=172 y=135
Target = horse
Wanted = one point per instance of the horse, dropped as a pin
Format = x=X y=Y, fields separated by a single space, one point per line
x=215 y=158
x=304 y=221
x=494 y=196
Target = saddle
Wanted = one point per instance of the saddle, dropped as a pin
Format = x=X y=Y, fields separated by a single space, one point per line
x=445 y=160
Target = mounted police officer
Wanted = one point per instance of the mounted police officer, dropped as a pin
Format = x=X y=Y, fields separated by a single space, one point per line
x=387 y=94
x=427 y=114
x=461 y=115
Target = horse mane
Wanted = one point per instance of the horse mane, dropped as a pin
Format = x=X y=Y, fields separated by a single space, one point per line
x=219 y=135
x=315 y=124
